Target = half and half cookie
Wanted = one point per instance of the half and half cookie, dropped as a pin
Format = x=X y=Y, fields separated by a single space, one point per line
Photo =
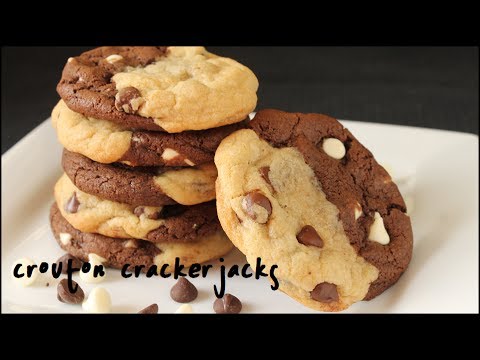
x=170 y=89
x=108 y=142
x=118 y=252
x=151 y=186
x=169 y=223
x=300 y=191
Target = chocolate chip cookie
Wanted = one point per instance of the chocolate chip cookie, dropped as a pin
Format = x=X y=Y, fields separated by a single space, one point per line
x=170 y=89
x=150 y=186
x=300 y=191
x=119 y=252
x=169 y=223
x=107 y=142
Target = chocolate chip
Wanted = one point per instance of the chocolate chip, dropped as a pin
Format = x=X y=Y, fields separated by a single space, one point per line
x=153 y=215
x=64 y=295
x=76 y=263
x=325 y=292
x=151 y=309
x=253 y=203
x=309 y=236
x=72 y=204
x=128 y=100
x=264 y=174
x=228 y=304
x=47 y=284
x=183 y=291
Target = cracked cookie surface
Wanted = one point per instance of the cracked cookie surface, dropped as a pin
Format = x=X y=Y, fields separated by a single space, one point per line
x=170 y=89
x=301 y=192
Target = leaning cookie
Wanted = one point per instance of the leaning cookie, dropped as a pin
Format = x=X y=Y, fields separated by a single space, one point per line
x=107 y=142
x=152 y=186
x=118 y=252
x=170 y=223
x=159 y=88
x=300 y=191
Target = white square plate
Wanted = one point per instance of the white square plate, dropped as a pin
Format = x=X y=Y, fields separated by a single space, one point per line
x=436 y=169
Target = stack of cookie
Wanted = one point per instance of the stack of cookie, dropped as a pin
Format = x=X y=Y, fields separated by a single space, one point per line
x=140 y=126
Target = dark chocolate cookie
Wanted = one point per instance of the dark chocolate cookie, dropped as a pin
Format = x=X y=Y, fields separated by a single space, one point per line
x=150 y=186
x=118 y=252
x=300 y=191
x=170 y=89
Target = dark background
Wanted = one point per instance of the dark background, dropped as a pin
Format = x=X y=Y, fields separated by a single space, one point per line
x=435 y=87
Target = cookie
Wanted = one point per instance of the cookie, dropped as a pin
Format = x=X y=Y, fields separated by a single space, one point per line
x=169 y=223
x=300 y=191
x=106 y=142
x=170 y=89
x=119 y=252
x=150 y=186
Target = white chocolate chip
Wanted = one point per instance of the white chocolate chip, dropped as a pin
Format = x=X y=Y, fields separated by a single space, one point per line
x=358 y=211
x=169 y=154
x=114 y=58
x=378 y=232
x=189 y=162
x=130 y=244
x=334 y=148
x=98 y=301
x=184 y=309
x=70 y=59
x=96 y=258
x=65 y=238
x=88 y=277
x=24 y=280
